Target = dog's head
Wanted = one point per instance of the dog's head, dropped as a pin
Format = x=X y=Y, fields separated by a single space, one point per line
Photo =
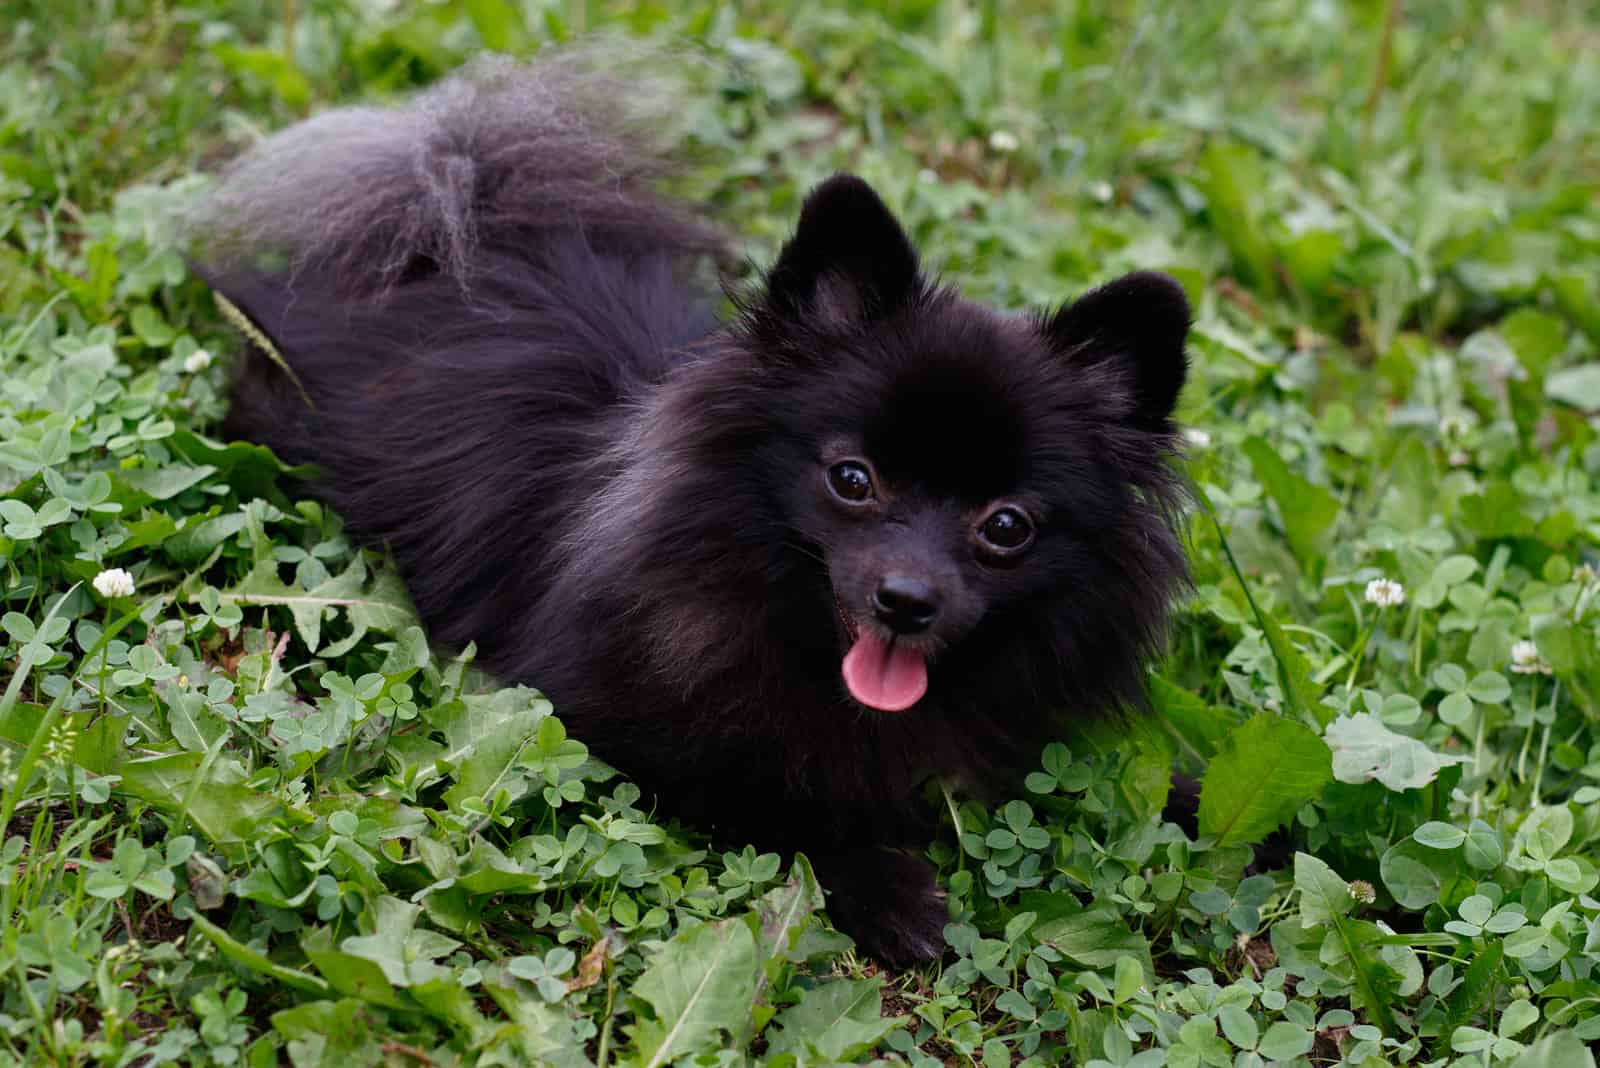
x=974 y=483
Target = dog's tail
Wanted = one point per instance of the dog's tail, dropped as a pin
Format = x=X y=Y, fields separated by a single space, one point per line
x=366 y=198
x=509 y=214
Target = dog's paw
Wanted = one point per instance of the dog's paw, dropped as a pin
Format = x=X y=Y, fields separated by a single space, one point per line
x=889 y=903
x=907 y=933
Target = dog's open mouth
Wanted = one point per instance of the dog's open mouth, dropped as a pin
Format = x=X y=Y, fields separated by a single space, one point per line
x=881 y=673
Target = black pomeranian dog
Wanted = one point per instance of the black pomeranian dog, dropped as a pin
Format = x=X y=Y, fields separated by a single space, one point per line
x=778 y=569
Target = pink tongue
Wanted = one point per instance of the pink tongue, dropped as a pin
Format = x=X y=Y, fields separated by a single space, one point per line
x=883 y=675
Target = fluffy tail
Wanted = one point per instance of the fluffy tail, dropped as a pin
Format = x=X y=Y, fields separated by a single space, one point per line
x=366 y=198
x=504 y=221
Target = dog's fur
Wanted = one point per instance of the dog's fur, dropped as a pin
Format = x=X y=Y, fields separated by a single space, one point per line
x=520 y=389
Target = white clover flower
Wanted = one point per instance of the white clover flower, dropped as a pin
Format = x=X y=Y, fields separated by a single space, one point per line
x=113 y=582
x=1197 y=437
x=1362 y=891
x=1385 y=593
x=1004 y=141
x=1459 y=457
x=1525 y=659
x=197 y=361
x=1454 y=426
x=1584 y=574
x=1102 y=191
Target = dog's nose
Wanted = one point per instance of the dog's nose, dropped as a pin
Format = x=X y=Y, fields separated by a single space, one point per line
x=905 y=604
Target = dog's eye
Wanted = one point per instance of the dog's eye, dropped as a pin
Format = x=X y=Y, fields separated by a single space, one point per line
x=850 y=481
x=1006 y=531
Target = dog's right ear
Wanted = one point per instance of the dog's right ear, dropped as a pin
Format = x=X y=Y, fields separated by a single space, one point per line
x=1135 y=325
x=848 y=262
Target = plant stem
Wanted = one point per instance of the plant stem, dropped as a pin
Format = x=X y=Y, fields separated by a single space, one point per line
x=288 y=30
x=603 y=1052
x=1359 y=652
x=1477 y=762
x=1380 y=72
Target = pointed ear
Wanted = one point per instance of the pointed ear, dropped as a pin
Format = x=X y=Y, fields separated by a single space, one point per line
x=1136 y=324
x=848 y=261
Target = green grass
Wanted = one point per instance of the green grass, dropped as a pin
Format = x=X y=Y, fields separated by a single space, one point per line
x=248 y=815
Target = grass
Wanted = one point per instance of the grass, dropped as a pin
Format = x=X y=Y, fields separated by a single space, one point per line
x=251 y=817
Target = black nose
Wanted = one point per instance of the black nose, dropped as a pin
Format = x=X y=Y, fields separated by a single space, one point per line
x=906 y=605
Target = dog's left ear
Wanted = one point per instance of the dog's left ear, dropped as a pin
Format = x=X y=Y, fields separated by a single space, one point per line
x=1136 y=325
x=848 y=262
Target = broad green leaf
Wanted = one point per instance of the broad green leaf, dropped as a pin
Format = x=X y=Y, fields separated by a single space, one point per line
x=1455 y=709
x=1129 y=977
x=1284 y=1042
x=383 y=606
x=1238 y=1026
x=546 y=1033
x=1546 y=831
x=1325 y=900
x=487 y=870
x=347 y=973
x=1230 y=178
x=1015 y=1005
x=252 y=470
x=1197 y=726
x=499 y=24
x=1477 y=909
x=404 y=952
x=486 y=737
x=1415 y=873
x=1560 y=643
x=445 y=999
x=282 y=887
x=1517 y=1017
x=1490 y=688
x=1266 y=769
x=784 y=910
x=1535 y=337
x=1500 y=511
x=1305 y=508
x=1323 y=895
x=1096 y=938
x=1574 y=292
x=1557 y=1049
x=227 y=813
x=165 y=482
x=331 y=1032
x=699 y=986
x=1575 y=875
x=1471 y=1039
x=1578 y=386
x=195 y=542
x=151 y=328
x=1483 y=849
x=835 y=1022
x=1301 y=691
x=194 y=725
x=1449 y=572
x=1438 y=835
x=1365 y=749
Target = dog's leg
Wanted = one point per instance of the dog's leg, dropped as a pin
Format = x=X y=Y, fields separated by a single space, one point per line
x=887 y=900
